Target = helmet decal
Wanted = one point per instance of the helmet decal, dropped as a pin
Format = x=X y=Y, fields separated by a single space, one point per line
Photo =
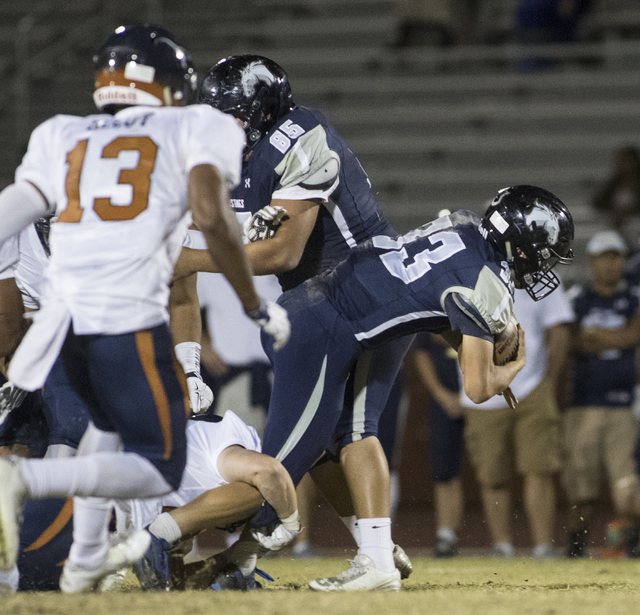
x=542 y=216
x=253 y=74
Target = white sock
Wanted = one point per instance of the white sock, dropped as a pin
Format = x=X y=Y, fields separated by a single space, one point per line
x=352 y=525
x=107 y=475
x=90 y=531
x=375 y=541
x=165 y=527
x=244 y=555
x=9 y=581
x=446 y=533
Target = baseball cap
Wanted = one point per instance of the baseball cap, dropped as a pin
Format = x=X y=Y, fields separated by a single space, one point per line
x=606 y=241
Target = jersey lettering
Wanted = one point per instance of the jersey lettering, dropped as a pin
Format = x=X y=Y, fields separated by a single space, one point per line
x=293 y=131
x=139 y=178
x=394 y=261
x=279 y=141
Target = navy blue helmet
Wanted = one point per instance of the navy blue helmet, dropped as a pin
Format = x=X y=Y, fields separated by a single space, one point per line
x=533 y=229
x=143 y=65
x=252 y=88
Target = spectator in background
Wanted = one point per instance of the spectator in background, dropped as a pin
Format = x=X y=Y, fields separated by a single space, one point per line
x=436 y=365
x=600 y=430
x=619 y=197
x=425 y=22
x=528 y=437
x=547 y=21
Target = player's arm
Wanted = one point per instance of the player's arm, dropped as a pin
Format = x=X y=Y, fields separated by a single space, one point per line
x=21 y=204
x=212 y=214
x=270 y=256
x=184 y=310
x=482 y=379
x=597 y=339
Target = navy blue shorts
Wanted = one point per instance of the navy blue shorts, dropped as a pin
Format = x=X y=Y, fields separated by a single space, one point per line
x=46 y=534
x=446 y=438
x=131 y=384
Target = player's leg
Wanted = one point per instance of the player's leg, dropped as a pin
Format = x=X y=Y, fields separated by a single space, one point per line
x=365 y=465
x=135 y=389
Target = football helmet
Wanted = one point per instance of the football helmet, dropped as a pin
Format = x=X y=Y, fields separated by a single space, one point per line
x=143 y=65
x=533 y=230
x=252 y=88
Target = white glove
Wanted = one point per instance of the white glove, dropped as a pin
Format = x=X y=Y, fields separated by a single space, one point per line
x=10 y=398
x=280 y=537
x=273 y=320
x=200 y=395
x=264 y=223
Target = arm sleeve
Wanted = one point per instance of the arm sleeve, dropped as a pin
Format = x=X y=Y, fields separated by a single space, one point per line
x=36 y=167
x=309 y=170
x=214 y=138
x=489 y=305
x=464 y=318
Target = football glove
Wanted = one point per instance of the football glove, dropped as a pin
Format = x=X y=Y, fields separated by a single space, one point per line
x=280 y=537
x=10 y=398
x=264 y=223
x=200 y=395
x=273 y=320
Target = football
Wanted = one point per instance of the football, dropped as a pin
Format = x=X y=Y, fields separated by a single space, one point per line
x=505 y=344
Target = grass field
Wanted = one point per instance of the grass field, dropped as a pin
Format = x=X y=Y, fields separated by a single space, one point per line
x=462 y=586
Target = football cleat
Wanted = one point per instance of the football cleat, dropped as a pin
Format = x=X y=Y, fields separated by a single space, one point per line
x=152 y=569
x=402 y=562
x=12 y=494
x=446 y=547
x=77 y=579
x=227 y=576
x=362 y=576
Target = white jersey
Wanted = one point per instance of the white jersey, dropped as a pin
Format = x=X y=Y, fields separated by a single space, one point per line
x=119 y=186
x=30 y=268
x=205 y=442
x=8 y=258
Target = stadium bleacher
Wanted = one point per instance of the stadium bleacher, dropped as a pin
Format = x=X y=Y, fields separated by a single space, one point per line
x=434 y=127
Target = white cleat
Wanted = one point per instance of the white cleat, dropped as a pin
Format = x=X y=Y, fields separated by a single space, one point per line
x=362 y=576
x=402 y=562
x=76 y=579
x=12 y=494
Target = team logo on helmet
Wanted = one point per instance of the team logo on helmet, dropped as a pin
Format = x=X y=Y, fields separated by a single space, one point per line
x=252 y=75
x=542 y=216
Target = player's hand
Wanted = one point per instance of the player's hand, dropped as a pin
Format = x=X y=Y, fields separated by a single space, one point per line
x=200 y=395
x=264 y=223
x=10 y=398
x=280 y=537
x=273 y=320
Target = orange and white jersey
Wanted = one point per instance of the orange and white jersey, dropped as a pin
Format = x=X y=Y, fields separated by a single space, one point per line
x=119 y=186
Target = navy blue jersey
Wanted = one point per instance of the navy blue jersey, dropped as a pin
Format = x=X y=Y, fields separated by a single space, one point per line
x=303 y=158
x=442 y=275
x=605 y=378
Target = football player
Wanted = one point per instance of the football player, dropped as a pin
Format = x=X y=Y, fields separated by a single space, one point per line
x=295 y=160
x=454 y=276
x=121 y=184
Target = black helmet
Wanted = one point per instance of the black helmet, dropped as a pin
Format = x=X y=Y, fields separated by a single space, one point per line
x=252 y=88
x=533 y=230
x=142 y=65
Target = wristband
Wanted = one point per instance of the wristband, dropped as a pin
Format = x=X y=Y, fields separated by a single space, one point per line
x=188 y=354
